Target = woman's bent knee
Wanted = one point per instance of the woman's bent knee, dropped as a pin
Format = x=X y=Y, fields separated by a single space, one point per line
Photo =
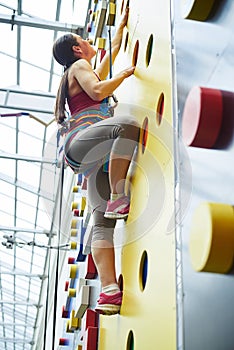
x=103 y=234
x=103 y=228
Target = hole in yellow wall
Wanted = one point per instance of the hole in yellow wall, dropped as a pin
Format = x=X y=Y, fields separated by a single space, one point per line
x=120 y=282
x=144 y=134
x=143 y=270
x=122 y=6
x=126 y=41
x=135 y=53
x=149 y=50
x=160 y=109
x=130 y=341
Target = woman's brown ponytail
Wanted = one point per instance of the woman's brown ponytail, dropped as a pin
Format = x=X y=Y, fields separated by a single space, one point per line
x=64 y=55
x=60 y=103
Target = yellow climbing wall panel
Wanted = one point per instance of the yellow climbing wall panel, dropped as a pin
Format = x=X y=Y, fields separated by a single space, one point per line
x=146 y=241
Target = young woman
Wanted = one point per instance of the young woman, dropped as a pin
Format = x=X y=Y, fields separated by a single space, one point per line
x=92 y=134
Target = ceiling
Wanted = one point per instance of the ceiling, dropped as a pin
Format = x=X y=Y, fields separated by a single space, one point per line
x=28 y=156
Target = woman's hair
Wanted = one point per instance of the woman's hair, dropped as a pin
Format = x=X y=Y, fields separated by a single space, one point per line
x=64 y=55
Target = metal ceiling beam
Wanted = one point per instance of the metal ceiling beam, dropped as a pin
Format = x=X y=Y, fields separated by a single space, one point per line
x=17 y=341
x=20 y=108
x=18 y=316
x=27 y=158
x=57 y=16
x=25 y=187
x=16 y=324
x=21 y=303
x=18 y=71
x=16 y=273
x=31 y=93
x=28 y=230
x=39 y=23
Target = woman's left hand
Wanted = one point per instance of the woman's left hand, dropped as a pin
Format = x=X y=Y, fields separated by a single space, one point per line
x=124 y=19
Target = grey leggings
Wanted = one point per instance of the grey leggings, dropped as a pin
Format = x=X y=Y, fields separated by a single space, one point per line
x=88 y=149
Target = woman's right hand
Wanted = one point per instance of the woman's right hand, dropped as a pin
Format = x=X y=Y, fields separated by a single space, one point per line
x=124 y=19
x=127 y=72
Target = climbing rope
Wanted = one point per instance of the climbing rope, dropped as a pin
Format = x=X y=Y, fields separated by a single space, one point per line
x=110 y=63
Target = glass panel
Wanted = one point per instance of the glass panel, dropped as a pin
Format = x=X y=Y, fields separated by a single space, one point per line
x=33 y=78
x=7 y=140
x=7 y=206
x=24 y=208
x=56 y=81
x=36 y=46
x=8 y=39
x=8 y=3
x=8 y=76
x=7 y=189
x=7 y=258
x=77 y=16
x=31 y=198
x=30 y=146
x=29 y=172
x=44 y=9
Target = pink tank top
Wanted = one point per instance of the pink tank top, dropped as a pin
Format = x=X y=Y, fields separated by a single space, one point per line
x=81 y=102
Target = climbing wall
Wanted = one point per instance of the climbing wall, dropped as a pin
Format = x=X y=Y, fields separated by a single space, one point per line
x=204 y=55
x=183 y=163
x=146 y=242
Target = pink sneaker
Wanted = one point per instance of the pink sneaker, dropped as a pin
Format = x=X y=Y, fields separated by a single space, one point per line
x=117 y=209
x=109 y=304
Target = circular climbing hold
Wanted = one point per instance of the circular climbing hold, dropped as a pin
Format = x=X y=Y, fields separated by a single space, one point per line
x=76 y=212
x=72 y=292
x=75 y=224
x=198 y=10
x=64 y=342
x=74 y=269
x=75 y=189
x=202 y=117
x=65 y=313
x=74 y=233
x=79 y=179
x=212 y=238
x=75 y=205
x=71 y=260
x=111 y=14
x=89 y=28
x=66 y=286
x=73 y=245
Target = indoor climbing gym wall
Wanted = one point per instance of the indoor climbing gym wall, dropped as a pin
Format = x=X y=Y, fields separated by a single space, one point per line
x=204 y=57
x=145 y=243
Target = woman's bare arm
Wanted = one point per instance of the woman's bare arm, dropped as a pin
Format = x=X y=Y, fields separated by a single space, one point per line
x=104 y=67
x=96 y=89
